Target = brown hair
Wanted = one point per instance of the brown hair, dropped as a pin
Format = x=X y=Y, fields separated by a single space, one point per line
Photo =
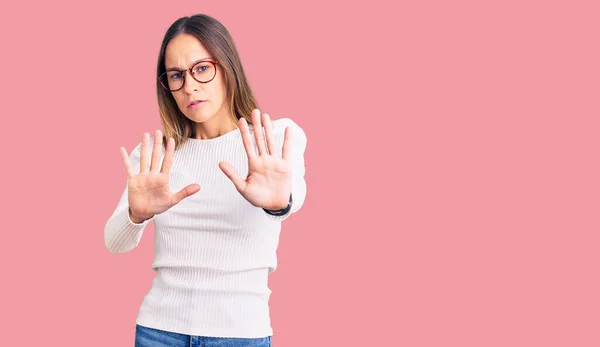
x=217 y=40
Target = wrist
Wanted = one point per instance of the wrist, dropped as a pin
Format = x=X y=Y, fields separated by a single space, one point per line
x=282 y=211
x=137 y=219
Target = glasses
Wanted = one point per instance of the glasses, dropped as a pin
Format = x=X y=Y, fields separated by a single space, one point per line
x=203 y=71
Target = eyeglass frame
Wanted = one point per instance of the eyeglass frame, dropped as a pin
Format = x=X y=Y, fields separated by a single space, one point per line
x=184 y=72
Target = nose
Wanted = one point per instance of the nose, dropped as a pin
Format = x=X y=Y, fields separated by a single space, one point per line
x=189 y=83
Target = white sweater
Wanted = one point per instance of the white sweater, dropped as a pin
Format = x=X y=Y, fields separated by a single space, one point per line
x=214 y=250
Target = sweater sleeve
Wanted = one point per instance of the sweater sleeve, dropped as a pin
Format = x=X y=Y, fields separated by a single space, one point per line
x=120 y=233
x=298 y=169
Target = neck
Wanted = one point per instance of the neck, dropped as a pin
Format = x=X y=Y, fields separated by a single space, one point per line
x=214 y=127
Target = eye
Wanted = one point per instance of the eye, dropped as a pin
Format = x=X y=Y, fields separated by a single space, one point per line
x=175 y=76
x=201 y=68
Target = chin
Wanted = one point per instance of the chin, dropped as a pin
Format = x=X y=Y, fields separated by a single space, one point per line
x=198 y=117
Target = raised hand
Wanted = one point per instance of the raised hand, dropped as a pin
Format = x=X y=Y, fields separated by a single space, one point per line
x=148 y=191
x=269 y=181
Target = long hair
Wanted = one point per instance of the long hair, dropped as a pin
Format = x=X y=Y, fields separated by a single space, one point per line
x=217 y=40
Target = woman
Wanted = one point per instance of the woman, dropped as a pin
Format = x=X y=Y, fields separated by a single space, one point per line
x=217 y=186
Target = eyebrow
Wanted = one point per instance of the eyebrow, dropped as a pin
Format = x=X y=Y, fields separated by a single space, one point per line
x=194 y=63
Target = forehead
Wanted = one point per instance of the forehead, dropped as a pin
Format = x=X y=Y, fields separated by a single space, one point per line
x=183 y=50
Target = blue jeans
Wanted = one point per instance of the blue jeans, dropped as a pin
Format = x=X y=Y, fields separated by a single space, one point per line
x=150 y=337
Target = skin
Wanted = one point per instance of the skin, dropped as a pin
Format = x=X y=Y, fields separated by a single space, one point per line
x=269 y=180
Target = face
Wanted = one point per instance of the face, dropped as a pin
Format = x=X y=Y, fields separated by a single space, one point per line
x=181 y=53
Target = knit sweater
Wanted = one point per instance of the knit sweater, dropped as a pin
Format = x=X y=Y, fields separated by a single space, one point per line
x=214 y=250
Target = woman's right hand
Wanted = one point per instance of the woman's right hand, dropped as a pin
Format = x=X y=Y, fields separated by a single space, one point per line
x=148 y=191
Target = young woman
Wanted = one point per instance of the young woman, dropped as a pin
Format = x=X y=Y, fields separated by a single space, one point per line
x=217 y=187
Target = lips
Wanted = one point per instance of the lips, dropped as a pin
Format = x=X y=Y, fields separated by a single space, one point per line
x=195 y=102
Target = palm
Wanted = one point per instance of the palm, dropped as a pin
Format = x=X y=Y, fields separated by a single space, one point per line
x=148 y=192
x=269 y=181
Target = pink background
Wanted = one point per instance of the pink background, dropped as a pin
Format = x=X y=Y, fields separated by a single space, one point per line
x=452 y=168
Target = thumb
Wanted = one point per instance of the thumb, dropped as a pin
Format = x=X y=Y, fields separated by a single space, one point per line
x=185 y=192
x=230 y=172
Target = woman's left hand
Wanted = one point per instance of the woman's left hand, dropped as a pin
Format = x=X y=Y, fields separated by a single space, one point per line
x=269 y=181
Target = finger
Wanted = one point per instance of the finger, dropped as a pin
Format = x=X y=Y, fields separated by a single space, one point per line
x=143 y=153
x=246 y=139
x=287 y=144
x=258 y=131
x=156 y=151
x=185 y=192
x=127 y=162
x=166 y=165
x=229 y=171
x=269 y=134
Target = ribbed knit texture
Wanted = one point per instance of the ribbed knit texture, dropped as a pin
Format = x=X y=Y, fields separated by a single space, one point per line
x=214 y=250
